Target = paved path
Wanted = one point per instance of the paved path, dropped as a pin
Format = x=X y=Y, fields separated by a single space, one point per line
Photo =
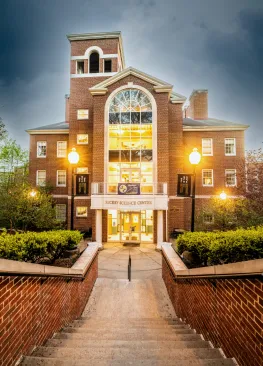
x=114 y=296
x=113 y=261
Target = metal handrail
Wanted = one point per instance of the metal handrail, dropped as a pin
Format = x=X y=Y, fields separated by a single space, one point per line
x=210 y=276
x=129 y=268
x=101 y=188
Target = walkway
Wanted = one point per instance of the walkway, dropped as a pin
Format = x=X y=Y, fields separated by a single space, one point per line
x=113 y=261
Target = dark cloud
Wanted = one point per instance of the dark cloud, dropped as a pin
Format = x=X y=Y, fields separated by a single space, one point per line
x=206 y=44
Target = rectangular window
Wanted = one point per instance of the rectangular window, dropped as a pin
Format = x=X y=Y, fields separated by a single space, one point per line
x=41 y=178
x=83 y=114
x=81 y=211
x=83 y=139
x=41 y=149
x=61 y=211
x=231 y=179
x=230 y=147
x=61 y=178
x=207 y=177
x=207 y=147
x=62 y=149
x=107 y=65
x=208 y=218
x=80 y=67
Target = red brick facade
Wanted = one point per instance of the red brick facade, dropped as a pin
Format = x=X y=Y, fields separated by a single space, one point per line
x=227 y=312
x=32 y=309
x=175 y=136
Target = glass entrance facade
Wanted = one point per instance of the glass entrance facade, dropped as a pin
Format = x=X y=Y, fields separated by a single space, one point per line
x=129 y=226
x=130 y=140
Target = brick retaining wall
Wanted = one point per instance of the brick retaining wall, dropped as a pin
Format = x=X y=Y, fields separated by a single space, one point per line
x=228 y=312
x=32 y=310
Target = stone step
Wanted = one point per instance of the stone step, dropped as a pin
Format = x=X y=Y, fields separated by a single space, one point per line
x=124 y=354
x=94 y=327
x=131 y=320
x=128 y=323
x=128 y=338
x=126 y=344
x=121 y=331
x=39 y=361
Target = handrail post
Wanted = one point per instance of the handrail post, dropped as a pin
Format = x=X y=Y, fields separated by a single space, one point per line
x=129 y=268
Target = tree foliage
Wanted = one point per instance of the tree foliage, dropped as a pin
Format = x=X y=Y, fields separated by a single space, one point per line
x=2 y=129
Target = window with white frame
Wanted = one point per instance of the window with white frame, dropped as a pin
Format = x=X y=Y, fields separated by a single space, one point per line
x=80 y=67
x=41 y=178
x=230 y=146
x=41 y=149
x=61 y=178
x=61 y=149
x=207 y=147
x=208 y=218
x=207 y=177
x=81 y=211
x=83 y=114
x=231 y=178
x=83 y=139
x=61 y=211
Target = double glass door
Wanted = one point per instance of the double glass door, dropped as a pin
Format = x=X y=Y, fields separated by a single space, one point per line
x=131 y=226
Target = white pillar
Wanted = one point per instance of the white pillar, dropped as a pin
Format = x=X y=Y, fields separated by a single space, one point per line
x=159 y=229
x=99 y=227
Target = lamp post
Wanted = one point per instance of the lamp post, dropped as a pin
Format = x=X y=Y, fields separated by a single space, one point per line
x=194 y=158
x=73 y=158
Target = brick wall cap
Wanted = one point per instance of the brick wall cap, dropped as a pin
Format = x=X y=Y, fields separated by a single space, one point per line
x=79 y=268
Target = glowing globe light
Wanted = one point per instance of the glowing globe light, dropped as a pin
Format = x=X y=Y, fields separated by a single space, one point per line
x=33 y=193
x=223 y=195
x=73 y=156
x=195 y=157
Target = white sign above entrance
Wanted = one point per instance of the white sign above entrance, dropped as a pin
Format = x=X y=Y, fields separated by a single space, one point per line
x=144 y=202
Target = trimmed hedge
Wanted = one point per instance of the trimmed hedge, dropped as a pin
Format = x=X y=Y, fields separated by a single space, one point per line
x=223 y=247
x=33 y=247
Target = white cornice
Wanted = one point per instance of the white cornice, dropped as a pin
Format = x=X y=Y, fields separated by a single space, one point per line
x=47 y=132
x=95 y=75
x=86 y=57
x=214 y=128
x=163 y=88
x=101 y=91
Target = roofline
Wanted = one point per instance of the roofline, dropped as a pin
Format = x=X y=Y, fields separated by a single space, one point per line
x=48 y=132
x=99 y=35
x=215 y=128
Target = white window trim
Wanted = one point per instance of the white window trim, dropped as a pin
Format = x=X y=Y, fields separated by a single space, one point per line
x=231 y=185
x=208 y=185
x=38 y=156
x=41 y=185
x=81 y=215
x=82 y=143
x=58 y=149
x=62 y=185
x=82 y=119
x=61 y=204
x=208 y=222
x=235 y=152
x=212 y=150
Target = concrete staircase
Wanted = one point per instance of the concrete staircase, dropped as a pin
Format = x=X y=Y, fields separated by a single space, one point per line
x=131 y=341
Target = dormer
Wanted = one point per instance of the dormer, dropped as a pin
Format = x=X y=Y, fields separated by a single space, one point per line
x=96 y=54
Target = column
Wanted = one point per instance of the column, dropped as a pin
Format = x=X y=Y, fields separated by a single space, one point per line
x=99 y=227
x=159 y=229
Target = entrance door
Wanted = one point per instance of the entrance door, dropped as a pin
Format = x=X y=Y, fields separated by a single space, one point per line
x=131 y=227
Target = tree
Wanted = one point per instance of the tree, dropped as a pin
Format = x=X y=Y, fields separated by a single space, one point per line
x=2 y=129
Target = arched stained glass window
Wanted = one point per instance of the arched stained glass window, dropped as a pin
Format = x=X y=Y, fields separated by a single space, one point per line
x=130 y=106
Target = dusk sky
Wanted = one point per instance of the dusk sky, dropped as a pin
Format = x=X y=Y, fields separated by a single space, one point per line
x=192 y=44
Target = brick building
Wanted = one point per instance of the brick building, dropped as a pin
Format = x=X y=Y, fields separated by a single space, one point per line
x=134 y=135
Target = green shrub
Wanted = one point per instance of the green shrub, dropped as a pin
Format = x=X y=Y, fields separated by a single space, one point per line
x=223 y=247
x=32 y=246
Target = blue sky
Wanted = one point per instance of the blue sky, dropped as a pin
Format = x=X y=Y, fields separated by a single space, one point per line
x=191 y=44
